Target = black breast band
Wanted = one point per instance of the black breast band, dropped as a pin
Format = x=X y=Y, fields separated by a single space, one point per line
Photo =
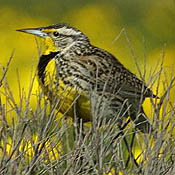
x=43 y=61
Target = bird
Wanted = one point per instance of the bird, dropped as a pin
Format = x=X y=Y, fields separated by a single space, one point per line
x=85 y=78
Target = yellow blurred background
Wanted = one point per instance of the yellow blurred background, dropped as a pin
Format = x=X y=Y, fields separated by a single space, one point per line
x=149 y=25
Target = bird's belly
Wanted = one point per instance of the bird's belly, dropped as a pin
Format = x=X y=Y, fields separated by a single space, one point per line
x=73 y=102
x=70 y=99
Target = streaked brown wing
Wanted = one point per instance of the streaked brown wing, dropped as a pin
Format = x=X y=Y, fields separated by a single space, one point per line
x=106 y=73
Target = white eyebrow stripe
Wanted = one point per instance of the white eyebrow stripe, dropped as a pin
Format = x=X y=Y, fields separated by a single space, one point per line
x=66 y=31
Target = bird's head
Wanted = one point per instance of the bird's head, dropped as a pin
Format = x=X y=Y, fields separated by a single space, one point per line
x=57 y=37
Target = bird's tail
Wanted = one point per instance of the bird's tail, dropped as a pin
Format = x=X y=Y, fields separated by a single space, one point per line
x=141 y=121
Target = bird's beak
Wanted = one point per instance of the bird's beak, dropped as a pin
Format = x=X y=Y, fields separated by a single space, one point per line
x=34 y=31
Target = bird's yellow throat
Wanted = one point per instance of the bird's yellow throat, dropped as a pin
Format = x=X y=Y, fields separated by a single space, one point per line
x=49 y=46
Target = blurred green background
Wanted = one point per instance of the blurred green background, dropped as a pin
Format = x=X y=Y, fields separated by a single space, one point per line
x=150 y=25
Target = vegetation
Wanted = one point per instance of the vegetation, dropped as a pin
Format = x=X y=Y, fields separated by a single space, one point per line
x=41 y=141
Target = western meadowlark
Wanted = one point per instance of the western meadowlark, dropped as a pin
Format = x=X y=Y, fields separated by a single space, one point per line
x=83 y=73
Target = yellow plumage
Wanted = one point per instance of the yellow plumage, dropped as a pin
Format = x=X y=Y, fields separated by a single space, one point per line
x=66 y=95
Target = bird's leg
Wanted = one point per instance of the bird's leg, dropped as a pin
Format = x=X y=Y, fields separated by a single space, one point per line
x=129 y=147
x=78 y=137
x=78 y=124
x=121 y=129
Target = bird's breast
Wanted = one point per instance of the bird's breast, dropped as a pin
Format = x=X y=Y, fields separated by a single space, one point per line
x=57 y=83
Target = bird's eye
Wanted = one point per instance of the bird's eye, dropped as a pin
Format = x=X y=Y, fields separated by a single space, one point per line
x=55 y=34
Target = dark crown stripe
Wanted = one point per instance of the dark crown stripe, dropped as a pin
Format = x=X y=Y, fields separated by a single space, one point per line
x=43 y=61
